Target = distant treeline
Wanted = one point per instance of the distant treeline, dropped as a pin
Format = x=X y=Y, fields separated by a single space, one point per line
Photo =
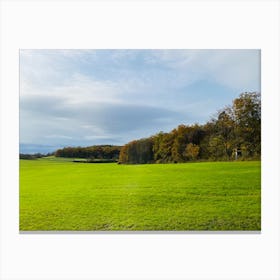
x=235 y=132
x=34 y=156
x=109 y=152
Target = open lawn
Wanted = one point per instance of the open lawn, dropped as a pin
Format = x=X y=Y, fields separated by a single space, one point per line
x=62 y=195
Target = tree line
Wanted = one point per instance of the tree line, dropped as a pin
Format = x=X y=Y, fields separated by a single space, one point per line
x=109 y=152
x=234 y=133
x=34 y=156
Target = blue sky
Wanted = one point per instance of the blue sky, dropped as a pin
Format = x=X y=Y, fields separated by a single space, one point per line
x=90 y=97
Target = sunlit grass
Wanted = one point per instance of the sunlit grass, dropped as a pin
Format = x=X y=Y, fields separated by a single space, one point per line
x=61 y=195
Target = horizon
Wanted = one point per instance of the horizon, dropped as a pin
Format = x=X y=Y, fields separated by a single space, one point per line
x=91 y=97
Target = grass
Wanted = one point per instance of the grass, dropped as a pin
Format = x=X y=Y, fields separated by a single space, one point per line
x=62 y=195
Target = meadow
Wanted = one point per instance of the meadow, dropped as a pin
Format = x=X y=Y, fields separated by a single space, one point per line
x=57 y=194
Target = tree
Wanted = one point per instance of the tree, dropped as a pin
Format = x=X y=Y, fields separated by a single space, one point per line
x=137 y=151
x=247 y=117
x=162 y=147
x=225 y=131
x=216 y=147
x=180 y=140
x=123 y=158
x=192 y=151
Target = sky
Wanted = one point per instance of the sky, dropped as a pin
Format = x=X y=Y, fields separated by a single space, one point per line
x=91 y=97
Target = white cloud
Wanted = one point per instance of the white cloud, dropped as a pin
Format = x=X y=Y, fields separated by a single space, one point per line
x=78 y=90
x=237 y=69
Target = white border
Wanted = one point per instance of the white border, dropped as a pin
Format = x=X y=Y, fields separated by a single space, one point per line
x=157 y=24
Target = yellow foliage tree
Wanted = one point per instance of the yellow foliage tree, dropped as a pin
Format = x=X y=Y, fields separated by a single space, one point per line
x=192 y=151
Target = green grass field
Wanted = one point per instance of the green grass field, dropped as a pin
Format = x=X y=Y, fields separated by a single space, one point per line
x=62 y=195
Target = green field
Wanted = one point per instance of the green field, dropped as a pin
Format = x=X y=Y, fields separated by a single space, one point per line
x=62 y=195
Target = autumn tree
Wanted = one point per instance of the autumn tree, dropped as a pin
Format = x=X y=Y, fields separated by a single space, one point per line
x=224 y=132
x=247 y=117
x=163 y=147
x=192 y=151
x=137 y=151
